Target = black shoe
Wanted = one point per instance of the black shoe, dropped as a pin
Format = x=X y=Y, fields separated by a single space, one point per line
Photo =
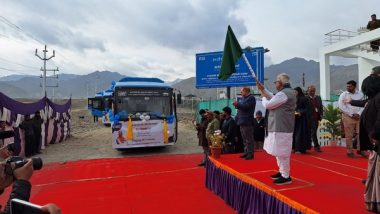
x=281 y=181
x=202 y=164
x=351 y=155
x=276 y=176
x=317 y=149
x=249 y=157
x=243 y=155
x=361 y=153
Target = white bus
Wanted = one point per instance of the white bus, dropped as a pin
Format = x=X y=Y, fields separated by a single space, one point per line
x=144 y=113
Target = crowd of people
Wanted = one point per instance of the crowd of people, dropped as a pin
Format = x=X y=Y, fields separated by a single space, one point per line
x=367 y=124
x=247 y=131
x=298 y=128
x=291 y=123
x=240 y=132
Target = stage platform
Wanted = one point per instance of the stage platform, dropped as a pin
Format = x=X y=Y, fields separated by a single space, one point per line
x=327 y=182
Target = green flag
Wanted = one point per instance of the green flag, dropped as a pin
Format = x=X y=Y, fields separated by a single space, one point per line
x=231 y=54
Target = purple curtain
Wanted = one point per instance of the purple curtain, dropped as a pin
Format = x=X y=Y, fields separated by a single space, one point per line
x=17 y=108
x=241 y=196
x=59 y=108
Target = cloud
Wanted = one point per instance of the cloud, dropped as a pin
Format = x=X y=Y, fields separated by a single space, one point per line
x=296 y=28
x=161 y=38
x=60 y=34
x=138 y=31
x=180 y=25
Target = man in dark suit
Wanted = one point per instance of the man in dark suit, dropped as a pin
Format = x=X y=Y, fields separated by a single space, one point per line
x=245 y=111
x=259 y=130
x=229 y=129
x=316 y=115
x=373 y=25
x=201 y=133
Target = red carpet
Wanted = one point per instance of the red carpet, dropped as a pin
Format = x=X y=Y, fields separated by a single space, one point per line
x=327 y=182
x=155 y=184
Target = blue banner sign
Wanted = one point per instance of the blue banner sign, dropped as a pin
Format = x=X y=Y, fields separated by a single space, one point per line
x=208 y=67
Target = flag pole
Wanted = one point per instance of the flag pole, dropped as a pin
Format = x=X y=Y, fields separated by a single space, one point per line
x=250 y=68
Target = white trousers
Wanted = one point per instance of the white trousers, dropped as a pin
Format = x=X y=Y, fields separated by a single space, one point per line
x=283 y=164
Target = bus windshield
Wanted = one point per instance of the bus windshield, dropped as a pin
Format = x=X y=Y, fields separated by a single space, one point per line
x=155 y=102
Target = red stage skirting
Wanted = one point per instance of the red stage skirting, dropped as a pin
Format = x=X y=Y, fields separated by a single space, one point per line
x=154 y=184
x=327 y=182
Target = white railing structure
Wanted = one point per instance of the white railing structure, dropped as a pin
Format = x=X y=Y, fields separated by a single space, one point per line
x=347 y=44
x=339 y=35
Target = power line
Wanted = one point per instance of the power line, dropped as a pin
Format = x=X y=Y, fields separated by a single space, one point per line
x=12 y=70
x=14 y=26
x=27 y=66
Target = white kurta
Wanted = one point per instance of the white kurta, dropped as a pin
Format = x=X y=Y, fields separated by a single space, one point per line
x=277 y=143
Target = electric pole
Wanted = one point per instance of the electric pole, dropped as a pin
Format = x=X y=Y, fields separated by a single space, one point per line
x=303 y=80
x=44 y=69
x=54 y=77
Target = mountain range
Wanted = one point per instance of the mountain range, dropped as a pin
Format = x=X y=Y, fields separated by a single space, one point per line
x=82 y=86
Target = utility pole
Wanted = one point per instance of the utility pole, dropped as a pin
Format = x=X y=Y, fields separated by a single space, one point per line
x=228 y=92
x=54 y=77
x=87 y=89
x=303 y=80
x=44 y=69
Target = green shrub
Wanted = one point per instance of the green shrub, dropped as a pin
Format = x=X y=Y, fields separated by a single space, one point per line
x=332 y=116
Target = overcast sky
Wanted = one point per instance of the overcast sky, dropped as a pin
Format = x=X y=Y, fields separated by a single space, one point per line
x=160 y=38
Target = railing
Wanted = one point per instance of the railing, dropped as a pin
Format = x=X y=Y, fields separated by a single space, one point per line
x=362 y=30
x=339 y=35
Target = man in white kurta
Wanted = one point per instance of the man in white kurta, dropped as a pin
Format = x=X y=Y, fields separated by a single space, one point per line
x=281 y=109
